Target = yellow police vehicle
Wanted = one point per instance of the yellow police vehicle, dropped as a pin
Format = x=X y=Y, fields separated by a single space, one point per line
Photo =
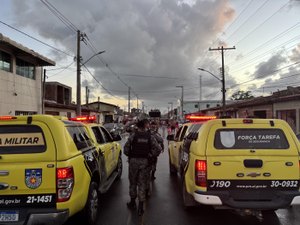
x=245 y=164
x=175 y=142
x=50 y=169
x=175 y=147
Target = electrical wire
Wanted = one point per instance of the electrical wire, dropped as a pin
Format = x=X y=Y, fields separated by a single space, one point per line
x=60 y=16
x=44 y=43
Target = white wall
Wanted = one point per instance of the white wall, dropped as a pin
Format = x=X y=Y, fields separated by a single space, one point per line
x=19 y=93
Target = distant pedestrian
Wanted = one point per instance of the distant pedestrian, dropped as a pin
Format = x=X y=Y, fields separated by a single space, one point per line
x=140 y=146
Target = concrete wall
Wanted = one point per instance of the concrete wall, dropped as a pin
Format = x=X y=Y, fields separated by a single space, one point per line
x=19 y=93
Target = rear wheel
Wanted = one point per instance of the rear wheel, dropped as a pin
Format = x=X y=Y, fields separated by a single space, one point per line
x=172 y=169
x=119 y=168
x=91 y=210
x=187 y=199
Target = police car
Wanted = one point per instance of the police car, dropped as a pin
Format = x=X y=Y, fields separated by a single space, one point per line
x=176 y=142
x=248 y=164
x=50 y=169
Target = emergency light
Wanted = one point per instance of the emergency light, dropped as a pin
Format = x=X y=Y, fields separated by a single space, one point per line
x=199 y=118
x=84 y=119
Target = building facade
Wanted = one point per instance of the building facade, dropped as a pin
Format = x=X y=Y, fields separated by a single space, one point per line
x=21 y=72
x=283 y=104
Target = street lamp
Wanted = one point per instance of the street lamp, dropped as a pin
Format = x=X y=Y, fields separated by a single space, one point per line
x=223 y=86
x=78 y=97
x=171 y=108
x=180 y=86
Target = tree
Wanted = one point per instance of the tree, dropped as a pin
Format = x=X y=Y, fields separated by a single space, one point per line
x=242 y=95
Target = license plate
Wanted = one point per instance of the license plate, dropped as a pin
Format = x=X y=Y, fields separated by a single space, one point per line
x=253 y=184
x=9 y=216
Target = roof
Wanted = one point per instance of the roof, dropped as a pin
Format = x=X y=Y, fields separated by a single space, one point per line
x=25 y=53
x=290 y=94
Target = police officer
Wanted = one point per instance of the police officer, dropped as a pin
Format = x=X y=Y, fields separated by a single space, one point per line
x=160 y=141
x=139 y=147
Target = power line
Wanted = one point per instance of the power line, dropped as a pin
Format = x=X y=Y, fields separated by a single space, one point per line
x=270 y=41
x=44 y=43
x=242 y=25
x=99 y=82
x=60 y=16
x=62 y=69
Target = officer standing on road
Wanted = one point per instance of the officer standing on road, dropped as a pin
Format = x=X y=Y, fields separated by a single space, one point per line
x=160 y=141
x=139 y=147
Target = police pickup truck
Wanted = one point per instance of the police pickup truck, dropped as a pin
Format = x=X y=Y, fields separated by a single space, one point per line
x=245 y=164
x=52 y=169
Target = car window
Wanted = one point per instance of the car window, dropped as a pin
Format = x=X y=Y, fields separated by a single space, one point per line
x=250 y=138
x=79 y=136
x=18 y=139
x=177 y=133
x=196 y=127
x=106 y=135
x=99 y=136
x=183 y=133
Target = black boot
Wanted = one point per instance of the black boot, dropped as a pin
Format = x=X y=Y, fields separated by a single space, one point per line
x=131 y=204
x=153 y=175
x=141 y=208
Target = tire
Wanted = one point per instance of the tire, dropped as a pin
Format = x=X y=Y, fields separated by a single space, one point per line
x=187 y=199
x=172 y=169
x=91 y=210
x=119 y=168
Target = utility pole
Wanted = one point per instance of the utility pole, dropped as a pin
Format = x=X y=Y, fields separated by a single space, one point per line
x=223 y=74
x=129 y=99
x=44 y=92
x=87 y=93
x=99 y=105
x=182 y=113
x=200 y=92
x=137 y=102
x=78 y=95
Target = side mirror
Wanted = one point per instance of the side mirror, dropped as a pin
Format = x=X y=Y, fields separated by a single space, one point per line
x=170 y=137
x=116 y=137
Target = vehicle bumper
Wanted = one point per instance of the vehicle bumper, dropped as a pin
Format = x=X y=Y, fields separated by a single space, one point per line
x=57 y=218
x=40 y=216
x=251 y=200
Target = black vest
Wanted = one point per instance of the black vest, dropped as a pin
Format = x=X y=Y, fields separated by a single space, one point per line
x=141 y=145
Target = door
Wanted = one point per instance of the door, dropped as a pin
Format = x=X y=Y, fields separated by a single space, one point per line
x=103 y=148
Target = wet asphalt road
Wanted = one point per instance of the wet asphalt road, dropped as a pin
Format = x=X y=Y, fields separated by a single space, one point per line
x=164 y=207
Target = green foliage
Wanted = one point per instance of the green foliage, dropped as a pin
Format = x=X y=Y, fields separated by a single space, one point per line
x=242 y=95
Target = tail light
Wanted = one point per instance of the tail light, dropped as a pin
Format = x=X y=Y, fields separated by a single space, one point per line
x=64 y=183
x=200 y=173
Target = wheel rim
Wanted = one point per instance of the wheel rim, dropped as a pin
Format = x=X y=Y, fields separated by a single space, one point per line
x=94 y=201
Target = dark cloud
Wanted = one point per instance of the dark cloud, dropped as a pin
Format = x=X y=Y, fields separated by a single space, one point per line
x=268 y=68
x=147 y=38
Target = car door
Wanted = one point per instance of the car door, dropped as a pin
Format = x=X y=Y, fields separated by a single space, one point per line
x=112 y=148
x=103 y=149
x=177 y=145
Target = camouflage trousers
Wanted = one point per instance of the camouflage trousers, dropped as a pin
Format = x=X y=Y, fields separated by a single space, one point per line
x=138 y=178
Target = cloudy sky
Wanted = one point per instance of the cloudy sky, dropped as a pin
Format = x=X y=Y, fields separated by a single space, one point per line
x=152 y=46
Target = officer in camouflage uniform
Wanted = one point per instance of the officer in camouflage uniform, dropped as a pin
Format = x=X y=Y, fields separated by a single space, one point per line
x=160 y=141
x=139 y=147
